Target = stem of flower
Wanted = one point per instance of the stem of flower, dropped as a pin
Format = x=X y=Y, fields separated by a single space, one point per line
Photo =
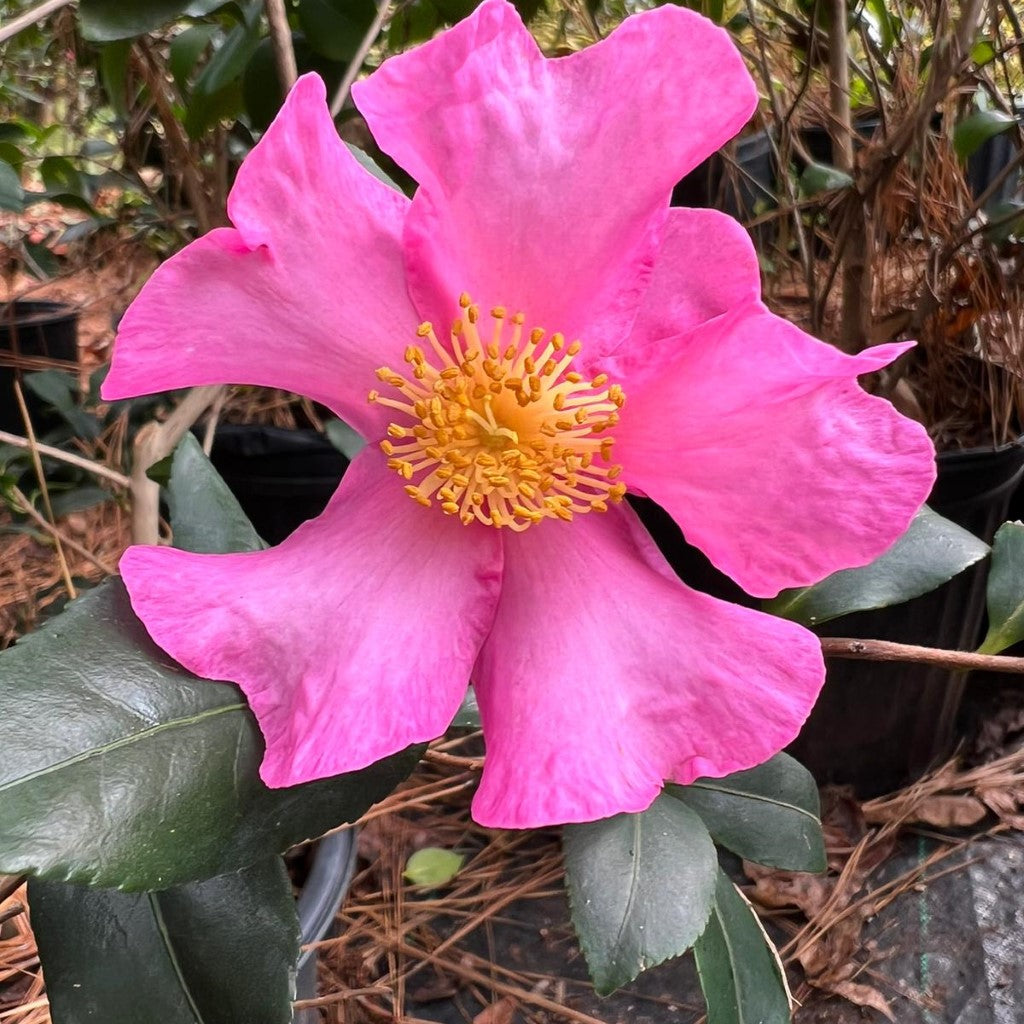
x=886 y=650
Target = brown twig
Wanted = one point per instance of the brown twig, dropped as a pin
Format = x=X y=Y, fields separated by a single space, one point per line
x=352 y=71
x=281 y=42
x=178 y=144
x=886 y=650
x=154 y=442
x=90 y=465
x=23 y=21
x=37 y=465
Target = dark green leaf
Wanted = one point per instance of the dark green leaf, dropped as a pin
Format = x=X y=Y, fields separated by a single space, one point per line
x=641 y=887
x=122 y=769
x=205 y=515
x=200 y=8
x=349 y=442
x=59 y=389
x=186 y=49
x=12 y=195
x=60 y=175
x=1005 y=590
x=373 y=167
x=335 y=28
x=818 y=178
x=468 y=715
x=217 y=92
x=114 y=59
x=221 y=951
x=769 y=814
x=931 y=552
x=106 y=20
x=412 y=23
x=739 y=970
x=79 y=498
x=981 y=126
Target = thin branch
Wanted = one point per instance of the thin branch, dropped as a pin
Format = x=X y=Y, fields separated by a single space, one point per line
x=154 y=442
x=281 y=43
x=37 y=465
x=352 y=71
x=178 y=144
x=90 y=465
x=23 y=21
x=60 y=539
x=886 y=650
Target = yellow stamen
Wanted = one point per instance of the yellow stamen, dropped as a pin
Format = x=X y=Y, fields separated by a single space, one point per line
x=502 y=432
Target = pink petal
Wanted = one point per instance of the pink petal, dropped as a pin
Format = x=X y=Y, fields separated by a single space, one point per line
x=759 y=442
x=306 y=293
x=352 y=639
x=604 y=675
x=545 y=183
x=705 y=267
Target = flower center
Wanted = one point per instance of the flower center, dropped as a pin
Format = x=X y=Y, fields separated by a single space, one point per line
x=502 y=431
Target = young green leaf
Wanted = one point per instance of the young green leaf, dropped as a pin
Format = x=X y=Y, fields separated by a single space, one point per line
x=930 y=553
x=432 y=867
x=1005 y=594
x=739 y=970
x=221 y=951
x=769 y=814
x=641 y=888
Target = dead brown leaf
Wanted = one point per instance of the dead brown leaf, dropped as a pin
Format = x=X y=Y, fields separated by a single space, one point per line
x=501 y=1012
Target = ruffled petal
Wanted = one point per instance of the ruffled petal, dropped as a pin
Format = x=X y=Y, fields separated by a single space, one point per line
x=307 y=291
x=544 y=184
x=351 y=640
x=604 y=675
x=760 y=443
x=706 y=266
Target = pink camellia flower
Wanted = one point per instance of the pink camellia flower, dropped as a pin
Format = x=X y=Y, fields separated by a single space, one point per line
x=531 y=335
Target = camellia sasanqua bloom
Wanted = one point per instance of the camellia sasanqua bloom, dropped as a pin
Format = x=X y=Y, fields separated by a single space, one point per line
x=533 y=333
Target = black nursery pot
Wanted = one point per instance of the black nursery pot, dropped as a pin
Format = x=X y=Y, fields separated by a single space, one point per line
x=322 y=893
x=878 y=725
x=33 y=330
x=713 y=185
x=280 y=477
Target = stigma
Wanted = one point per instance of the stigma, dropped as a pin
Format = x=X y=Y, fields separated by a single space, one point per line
x=497 y=428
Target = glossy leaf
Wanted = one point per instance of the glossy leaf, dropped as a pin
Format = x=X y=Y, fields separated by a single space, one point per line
x=221 y=951
x=973 y=131
x=1005 y=594
x=769 y=814
x=12 y=195
x=184 y=53
x=930 y=553
x=641 y=887
x=818 y=178
x=739 y=970
x=105 y=20
x=122 y=769
x=335 y=28
x=205 y=515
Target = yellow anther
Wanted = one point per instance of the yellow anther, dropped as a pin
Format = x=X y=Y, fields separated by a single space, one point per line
x=505 y=434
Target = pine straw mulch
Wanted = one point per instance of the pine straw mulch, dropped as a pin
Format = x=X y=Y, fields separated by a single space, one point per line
x=399 y=948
